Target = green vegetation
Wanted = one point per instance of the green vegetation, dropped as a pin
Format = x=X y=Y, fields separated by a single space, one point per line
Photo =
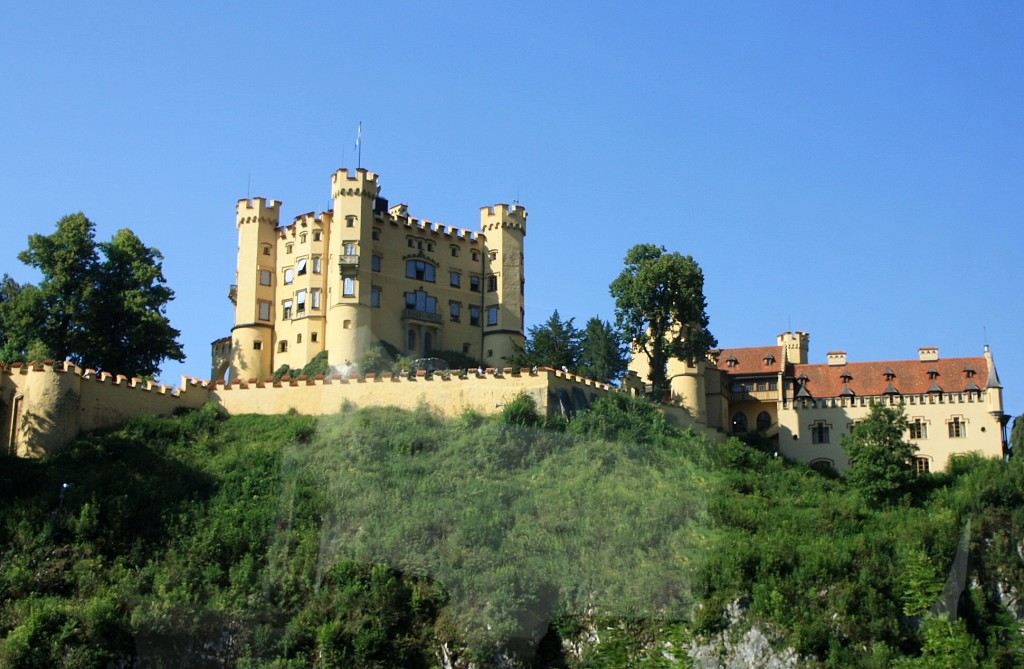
x=374 y=538
x=660 y=307
x=881 y=460
x=104 y=313
x=596 y=352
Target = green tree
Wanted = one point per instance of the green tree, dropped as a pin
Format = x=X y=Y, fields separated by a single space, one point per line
x=881 y=460
x=556 y=343
x=20 y=315
x=660 y=307
x=1017 y=436
x=603 y=354
x=106 y=313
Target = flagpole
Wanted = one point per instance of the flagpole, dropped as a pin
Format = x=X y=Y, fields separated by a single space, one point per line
x=359 y=146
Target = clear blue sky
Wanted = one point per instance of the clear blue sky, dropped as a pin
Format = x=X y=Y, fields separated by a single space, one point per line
x=852 y=169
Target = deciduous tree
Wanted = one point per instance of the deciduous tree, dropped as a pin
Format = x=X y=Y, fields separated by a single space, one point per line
x=660 y=307
x=106 y=313
x=881 y=460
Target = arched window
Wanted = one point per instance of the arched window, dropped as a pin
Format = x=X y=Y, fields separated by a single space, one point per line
x=419 y=270
x=739 y=422
x=764 y=421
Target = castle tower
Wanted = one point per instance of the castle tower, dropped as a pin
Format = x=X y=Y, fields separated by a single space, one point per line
x=252 y=337
x=504 y=281
x=349 y=255
x=795 y=344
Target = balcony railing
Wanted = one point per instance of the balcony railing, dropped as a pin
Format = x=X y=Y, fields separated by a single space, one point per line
x=348 y=261
x=416 y=315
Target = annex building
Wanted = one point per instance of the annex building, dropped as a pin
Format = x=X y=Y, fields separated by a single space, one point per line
x=366 y=273
x=954 y=405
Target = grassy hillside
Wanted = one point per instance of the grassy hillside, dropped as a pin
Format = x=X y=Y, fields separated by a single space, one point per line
x=381 y=538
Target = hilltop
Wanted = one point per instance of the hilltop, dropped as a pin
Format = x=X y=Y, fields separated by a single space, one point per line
x=382 y=538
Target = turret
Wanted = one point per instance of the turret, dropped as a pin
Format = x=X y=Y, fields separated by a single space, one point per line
x=254 y=289
x=795 y=346
x=504 y=228
x=349 y=270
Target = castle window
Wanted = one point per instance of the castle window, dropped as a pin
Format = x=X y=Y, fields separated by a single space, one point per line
x=264 y=311
x=465 y=349
x=257 y=345
x=492 y=283
x=298 y=338
x=264 y=277
x=493 y=256
x=419 y=270
x=411 y=243
x=289 y=276
x=455 y=251
x=957 y=427
x=288 y=248
x=418 y=300
x=375 y=263
x=819 y=432
x=316 y=264
x=475 y=255
x=302 y=238
x=474 y=284
x=474 y=315
x=375 y=296
x=316 y=298
x=349 y=248
x=376 y=233
x=918 y=429
x=455 y=279
x=317 y=236
x=454 y=310
x=739 y=422
x=300 y=269
x=764 y=421
x=312 y=337
x=348 y=286
x=492 y=315
x=922 y=465
x=350 y=221
x=266 y=249
x=300 y=302
x=287 y=305
x=282 y=346
x=430 y=246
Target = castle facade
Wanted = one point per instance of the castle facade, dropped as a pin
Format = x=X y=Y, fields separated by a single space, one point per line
x=954 y=405
x=365 y=273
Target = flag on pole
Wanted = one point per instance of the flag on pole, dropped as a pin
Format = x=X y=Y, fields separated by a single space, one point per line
x=359 y=135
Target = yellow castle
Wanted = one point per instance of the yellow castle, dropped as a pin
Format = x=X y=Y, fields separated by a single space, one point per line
x=364 y=273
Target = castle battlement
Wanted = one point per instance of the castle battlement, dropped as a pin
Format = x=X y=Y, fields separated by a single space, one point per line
x=503 y=216
x=257 y=210
x=362 y=183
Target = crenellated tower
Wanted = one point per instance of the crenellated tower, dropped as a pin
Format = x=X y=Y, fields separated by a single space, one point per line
x=252 y=337
x=504 y=304
x=349 y=265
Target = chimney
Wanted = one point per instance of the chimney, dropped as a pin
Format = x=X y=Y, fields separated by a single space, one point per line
x=928 y=353
x=836 y=358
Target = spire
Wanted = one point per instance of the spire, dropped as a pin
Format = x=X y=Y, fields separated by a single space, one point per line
x=993 y=376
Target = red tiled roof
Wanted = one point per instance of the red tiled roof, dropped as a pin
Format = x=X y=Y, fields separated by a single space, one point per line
x=910 y=376
x=750 y=360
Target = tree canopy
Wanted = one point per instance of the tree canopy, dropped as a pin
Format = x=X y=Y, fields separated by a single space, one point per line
x=881 y=461
x=99 y=305
x=555 y=343
x=603 y=354
x=660 y=307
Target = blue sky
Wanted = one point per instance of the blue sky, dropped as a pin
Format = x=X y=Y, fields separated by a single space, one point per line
x=852 y=169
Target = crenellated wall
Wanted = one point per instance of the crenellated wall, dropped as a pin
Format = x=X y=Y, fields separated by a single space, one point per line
x=44 y=406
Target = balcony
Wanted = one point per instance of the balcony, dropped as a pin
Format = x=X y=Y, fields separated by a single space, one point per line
x=348 y=261
x=417 y=315
x=233 y=293
x=747 y=395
